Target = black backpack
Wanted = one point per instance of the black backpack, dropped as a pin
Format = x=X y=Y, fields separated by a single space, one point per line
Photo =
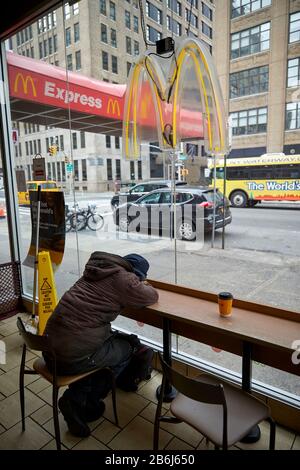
x=138 y=369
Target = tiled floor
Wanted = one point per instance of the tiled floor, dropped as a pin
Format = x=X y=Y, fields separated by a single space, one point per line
x=136 y=415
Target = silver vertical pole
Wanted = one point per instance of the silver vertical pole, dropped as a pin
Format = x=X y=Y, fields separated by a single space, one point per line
x=174 y=228
x=36 y=250
x=229 y=129
x=214 y=207
x=224 y=203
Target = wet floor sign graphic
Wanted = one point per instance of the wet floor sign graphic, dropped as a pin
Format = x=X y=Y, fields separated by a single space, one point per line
x=47 y=289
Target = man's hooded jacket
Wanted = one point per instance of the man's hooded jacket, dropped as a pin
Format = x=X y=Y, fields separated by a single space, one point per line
x=81 y=322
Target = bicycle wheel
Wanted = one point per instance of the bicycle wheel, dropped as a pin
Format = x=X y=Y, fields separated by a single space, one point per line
x=95 y=222
x=78 y=222
x=69 y=223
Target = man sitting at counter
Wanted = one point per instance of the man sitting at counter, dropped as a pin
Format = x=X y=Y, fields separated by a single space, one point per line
x=80 y=330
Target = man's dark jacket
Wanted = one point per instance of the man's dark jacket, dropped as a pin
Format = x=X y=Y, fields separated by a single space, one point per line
x=81 y=322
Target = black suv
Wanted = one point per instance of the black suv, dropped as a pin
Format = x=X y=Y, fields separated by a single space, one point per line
x=194 y=212
x=141 y=189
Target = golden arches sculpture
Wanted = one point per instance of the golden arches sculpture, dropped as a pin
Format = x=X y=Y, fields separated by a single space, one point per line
x=176 y=100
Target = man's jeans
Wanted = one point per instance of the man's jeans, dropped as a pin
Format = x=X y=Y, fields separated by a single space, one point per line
x=115 y=353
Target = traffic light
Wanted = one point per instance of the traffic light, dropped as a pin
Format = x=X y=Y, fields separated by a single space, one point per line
x=183 y=172
x=53 y=150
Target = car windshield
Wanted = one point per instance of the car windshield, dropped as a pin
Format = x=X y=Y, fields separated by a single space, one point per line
x=138 y=189
x=209 y=196
x=150 y=199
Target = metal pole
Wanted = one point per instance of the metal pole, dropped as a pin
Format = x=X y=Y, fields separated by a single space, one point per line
x=214 y=207
x=229 y=130
x=224 y=202
x=174 y=227
x=36 y=250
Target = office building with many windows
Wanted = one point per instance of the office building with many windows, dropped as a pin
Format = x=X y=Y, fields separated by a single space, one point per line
x=100 y=39
x=257 y=49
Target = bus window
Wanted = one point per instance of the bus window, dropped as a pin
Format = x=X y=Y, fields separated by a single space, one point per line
x=239 y=173
x=220 y=173
x=31 y=186
x=290 y=171
x=260 y=173
x=48 y=186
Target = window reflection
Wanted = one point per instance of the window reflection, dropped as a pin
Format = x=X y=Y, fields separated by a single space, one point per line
x=83 y=154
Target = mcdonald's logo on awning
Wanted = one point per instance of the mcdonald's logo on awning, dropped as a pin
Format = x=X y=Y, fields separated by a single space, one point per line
x=113 y=107
x=24 y=84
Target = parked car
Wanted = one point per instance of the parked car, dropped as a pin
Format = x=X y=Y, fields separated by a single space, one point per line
x=154 y=212
x=139 y=190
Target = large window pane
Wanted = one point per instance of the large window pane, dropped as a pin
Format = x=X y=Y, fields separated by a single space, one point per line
x=294 y=34
x=243 y=7
x=250 y=41
x=249 y=82
x=4 y=239
x=88 y=164
x=293 y=72
x=292 y=117
x=252 y=121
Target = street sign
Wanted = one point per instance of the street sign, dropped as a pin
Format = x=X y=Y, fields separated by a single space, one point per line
x=39 y=169
x=21 y=180
x=182 y=157
x=69 y=167
x=15 y=136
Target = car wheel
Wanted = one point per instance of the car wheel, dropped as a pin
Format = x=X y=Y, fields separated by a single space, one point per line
x=124 y=222
x=186 y=231
x=238 y=199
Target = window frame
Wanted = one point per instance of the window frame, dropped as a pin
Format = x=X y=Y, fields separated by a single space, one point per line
x=296 y=113
x=103 y=7
x=104 y=56
x=297 y=75
x=247 y=79
x=247 y=115
x=103 y=33
x=290 y=27
x=242 y=36
x=251 y=10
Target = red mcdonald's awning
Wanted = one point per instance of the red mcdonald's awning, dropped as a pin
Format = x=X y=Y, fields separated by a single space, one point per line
x=49 y=95
x=44 y=94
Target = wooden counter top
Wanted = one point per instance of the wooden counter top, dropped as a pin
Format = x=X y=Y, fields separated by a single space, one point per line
x=195 y=314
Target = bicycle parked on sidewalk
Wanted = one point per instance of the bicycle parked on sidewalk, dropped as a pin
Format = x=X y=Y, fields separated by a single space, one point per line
x=79 y=219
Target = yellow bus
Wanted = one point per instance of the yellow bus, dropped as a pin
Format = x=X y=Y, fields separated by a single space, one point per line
x=270 y=177
x=23 y=196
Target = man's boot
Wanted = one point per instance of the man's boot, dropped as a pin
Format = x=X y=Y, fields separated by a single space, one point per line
x=92 y=411
x=71 y=414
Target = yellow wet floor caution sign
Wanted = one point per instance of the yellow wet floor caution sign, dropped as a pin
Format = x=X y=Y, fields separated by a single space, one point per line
x=47 y=289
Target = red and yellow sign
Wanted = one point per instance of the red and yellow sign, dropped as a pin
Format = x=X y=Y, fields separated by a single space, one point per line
x=25 y=83
x=45 y=84
x=113 y=107
x=185 y=101
x=47 y=290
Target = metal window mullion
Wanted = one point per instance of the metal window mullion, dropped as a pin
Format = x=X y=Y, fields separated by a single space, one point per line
x=7 y=158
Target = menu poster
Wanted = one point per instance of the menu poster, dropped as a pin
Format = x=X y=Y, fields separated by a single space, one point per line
x=52 y=226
